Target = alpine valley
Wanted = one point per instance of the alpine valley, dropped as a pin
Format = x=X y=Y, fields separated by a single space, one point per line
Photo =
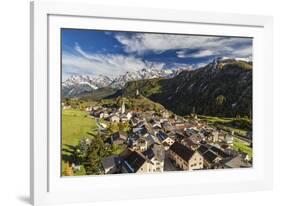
x=145 y=102
x=221 y=88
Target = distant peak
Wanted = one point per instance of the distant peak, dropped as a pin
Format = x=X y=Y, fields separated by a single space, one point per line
x=221 y=59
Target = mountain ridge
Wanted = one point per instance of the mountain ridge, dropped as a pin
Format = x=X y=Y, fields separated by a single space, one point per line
x=221 y=88
x=78 y=85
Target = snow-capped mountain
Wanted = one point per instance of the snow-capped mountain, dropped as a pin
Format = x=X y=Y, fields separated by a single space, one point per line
x=121 y=80
x=79 y=84
x=222 y=80
x=219 y=62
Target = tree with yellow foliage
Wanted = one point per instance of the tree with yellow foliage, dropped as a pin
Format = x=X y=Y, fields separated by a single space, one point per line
x=114 y=127
x=68 y=170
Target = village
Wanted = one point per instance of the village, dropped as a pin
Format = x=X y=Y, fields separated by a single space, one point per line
x=166 y=142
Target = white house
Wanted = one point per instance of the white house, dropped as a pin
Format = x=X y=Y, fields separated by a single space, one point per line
x=156 y=155
x=214 y=137
x=115 y=118
x=101 y=115
x=185 y=158
x=129 y=115
x=88 y=109
x=229 y=139
x=134 y=162
x=66 y=107
x=165 y=139
x=165 y=115
x=105 y=115
x=139 y=144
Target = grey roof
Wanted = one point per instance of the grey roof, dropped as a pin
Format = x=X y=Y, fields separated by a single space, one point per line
x=182 y=151
x=149 y=139
x=109 y=162
x=219 y=152
x=167 y=126
x=161 y=135
x=209 y=156
x=189 y=143
x=118 y=137
x=179 y=135
x=202 y=149
x=236 y=162
x=156 y=151
x=133 y=162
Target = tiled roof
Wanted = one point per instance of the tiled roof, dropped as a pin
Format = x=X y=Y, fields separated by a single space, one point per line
x=109 y=161
x=134 y=161
x=182 y=151
x=202 y=149
x=236 y=162
x=161 y=135
x=210 y=153
x=219 y=152
x=156 y=151
x=209 y=156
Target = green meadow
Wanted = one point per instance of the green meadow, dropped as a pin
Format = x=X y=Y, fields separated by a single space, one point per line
x=242 y=146
x=75 y=125
x=240 y=126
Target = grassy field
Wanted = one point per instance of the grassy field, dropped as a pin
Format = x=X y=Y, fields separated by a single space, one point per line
x=237 y=125
x=240 y=126
x=224 y=120
x=242 y=146
x=213 y=119
x=75 y=125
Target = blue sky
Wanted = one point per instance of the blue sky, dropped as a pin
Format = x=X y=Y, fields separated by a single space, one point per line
x=112 y=53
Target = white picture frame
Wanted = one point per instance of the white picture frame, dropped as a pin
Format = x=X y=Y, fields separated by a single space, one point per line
x=47 y=186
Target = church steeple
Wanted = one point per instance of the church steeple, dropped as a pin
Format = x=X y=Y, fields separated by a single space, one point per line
x=123 y=108
x=137 y=90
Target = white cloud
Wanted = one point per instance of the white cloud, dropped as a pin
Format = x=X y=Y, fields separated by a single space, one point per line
x=187 y=66
x=141 y=43
x=81 y=62
x=243 y=52
x=182 y=54
x=200 y=53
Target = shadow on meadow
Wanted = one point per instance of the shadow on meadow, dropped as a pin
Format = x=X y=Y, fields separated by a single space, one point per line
x=69 y=153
